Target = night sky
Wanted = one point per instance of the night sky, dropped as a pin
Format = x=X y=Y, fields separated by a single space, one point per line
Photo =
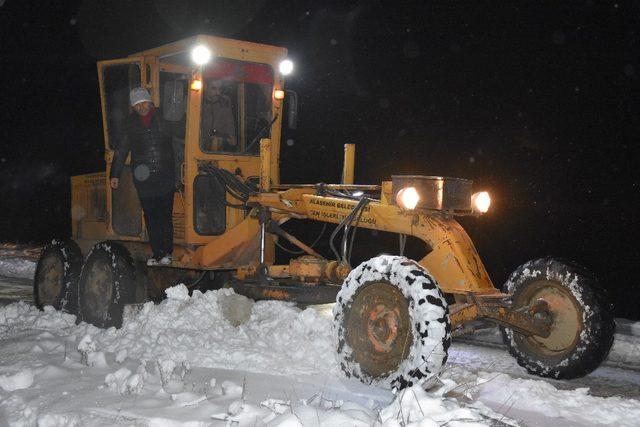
x=537 y=102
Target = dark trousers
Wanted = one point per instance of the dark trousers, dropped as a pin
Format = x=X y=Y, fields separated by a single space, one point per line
x=158 y=214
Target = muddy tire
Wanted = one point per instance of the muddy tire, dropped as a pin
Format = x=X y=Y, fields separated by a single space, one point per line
x=392 y=323
x=107 y=283
x=583 y=323
x=57 y=273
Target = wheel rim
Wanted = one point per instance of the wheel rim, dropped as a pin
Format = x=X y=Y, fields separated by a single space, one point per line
x=98 y=288
x=50 y=278
x=378 y=328
x=565 y=313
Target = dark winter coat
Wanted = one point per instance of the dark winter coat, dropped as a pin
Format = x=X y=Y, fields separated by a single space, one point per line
x=151 y=155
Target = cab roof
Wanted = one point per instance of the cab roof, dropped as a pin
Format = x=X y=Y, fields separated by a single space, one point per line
x=219 y=45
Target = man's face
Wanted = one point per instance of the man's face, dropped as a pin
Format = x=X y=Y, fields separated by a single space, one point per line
x=142 y=108
x=211 y=92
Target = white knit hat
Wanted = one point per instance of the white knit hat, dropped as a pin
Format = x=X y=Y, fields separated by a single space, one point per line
x=139 y=95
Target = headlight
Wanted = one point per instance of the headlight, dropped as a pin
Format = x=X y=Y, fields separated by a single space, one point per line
x=480 y=202
x=200 y=55
x=408 y=198
x=286 y=67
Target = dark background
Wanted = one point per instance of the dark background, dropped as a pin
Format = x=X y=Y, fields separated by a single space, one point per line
x=537 y=102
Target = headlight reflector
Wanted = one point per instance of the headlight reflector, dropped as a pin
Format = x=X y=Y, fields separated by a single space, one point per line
x=480 y=202
x=408 y=198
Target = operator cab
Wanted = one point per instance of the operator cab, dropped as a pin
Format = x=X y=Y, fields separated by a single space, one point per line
x=220 y=97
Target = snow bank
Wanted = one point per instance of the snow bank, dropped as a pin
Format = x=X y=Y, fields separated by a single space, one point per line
x=540 y=396
x=278 y=337
x=158 y=369
x=181 y=363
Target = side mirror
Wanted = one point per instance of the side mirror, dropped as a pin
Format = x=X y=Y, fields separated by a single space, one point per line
x=174 y=100
x=292 y=109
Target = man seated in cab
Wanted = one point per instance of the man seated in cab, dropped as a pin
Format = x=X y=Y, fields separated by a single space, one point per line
x=218 y=127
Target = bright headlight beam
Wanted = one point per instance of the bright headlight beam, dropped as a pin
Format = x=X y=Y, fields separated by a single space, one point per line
x=480 y=202
x=201 y=55
x=408 y=198
x=286 y=67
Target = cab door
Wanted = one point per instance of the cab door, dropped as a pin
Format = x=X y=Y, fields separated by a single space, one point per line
x=116 y=79
x=235 y=110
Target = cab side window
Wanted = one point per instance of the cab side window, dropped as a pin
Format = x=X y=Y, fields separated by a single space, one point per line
x=118 y=80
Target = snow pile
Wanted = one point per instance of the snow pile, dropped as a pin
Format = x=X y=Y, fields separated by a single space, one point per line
x=17 y=381
x=17 y=267
x=278 y=337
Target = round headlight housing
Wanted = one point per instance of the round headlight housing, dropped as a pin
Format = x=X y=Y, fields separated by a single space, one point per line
x=480 y=202
x=408 y=198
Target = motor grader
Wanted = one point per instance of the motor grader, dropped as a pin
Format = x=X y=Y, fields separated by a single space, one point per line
x=394 y=317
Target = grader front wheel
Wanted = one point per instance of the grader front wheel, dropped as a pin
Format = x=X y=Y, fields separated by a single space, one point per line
x=582 y=325
x=392 y=323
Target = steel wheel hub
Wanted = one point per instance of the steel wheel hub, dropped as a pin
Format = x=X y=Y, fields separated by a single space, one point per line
x=51 y=277
x=563 y=312
x=98 y=289
x=378 y=328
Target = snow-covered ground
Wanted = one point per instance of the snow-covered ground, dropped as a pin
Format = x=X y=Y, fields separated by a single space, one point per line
x=182 y=363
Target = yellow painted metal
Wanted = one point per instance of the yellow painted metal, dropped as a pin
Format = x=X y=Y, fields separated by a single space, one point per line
x=237 y=247
x=265 y=164
x=453 y=259
x=348 y=168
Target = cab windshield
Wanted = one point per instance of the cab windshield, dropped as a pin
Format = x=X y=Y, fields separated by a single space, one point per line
x=236 y=106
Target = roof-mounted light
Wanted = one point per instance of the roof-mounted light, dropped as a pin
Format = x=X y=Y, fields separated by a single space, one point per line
x=200 y=55
x=286 y=67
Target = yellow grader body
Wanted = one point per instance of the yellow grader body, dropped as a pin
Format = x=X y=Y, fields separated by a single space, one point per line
x=229 y=205
x=100 y=213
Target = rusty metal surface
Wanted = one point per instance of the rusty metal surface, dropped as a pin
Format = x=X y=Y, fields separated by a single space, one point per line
x=460 y=314
x=378 y=328
x=523 y=320
x=307 y=268
x=548 y=299
x=337 y=271
x=287 y=291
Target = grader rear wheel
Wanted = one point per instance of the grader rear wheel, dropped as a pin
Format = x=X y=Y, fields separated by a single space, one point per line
x=107 y=283
x=392 y=323
x=56 y=279
x=582 y=325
